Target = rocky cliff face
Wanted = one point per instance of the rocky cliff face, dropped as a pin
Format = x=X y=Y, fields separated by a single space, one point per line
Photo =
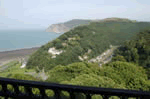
x=66 y=26
x=57 y=28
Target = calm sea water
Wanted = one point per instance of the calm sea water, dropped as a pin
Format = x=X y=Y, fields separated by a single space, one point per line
x=18 y=39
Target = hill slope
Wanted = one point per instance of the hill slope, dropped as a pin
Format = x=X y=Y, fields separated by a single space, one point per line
x=84 y=42
x=138 y=50
x=66 y=26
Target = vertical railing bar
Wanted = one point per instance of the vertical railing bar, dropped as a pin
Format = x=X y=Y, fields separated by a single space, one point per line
x=42 y=92
x=124 y=97
x=4 y=89
x=88 y=96
x=6 y=97
x=28 y=90
x=105 y=97
x=57 y=94
x=16 y=89
x=72 y=95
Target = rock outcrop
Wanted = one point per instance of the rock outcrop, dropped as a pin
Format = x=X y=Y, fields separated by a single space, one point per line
x=66 y=26
x=57 y=28
x=54 y=52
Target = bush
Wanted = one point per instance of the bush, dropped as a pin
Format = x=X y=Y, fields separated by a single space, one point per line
x=134 y=77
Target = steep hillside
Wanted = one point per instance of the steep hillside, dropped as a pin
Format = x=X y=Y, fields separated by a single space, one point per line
x=137 y=51
x=85 y=42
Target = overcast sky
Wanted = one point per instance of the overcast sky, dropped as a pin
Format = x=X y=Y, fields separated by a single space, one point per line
x=19 y=14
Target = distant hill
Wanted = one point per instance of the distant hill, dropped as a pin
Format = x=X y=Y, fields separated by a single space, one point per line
x=66 y=26
x=115 y=19
x=85 y=42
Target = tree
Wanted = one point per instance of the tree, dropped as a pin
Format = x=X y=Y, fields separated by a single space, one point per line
x=118 y=58
x=134 y=77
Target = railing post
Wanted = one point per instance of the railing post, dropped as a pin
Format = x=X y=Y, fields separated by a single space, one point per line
x=4 y=87
x=124 y=97
x=28 y=90
x=42 y=92
x=72 y=95
x=17 y=92
x=16 y=88
x=57 y=94
x=145 y=97
x=4 y=90
x=105 y=97
x=88 y=96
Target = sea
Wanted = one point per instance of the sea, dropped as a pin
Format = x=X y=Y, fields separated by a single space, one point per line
x=20 y=39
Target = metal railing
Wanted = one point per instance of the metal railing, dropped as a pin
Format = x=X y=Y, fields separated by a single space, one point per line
x=73 y=90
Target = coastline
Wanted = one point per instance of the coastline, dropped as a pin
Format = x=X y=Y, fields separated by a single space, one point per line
x=8 y=56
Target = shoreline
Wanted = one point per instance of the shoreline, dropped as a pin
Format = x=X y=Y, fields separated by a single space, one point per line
x=8 y=56
x=20 y=49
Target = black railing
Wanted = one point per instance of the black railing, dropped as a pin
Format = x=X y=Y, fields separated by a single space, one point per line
x=74 y=91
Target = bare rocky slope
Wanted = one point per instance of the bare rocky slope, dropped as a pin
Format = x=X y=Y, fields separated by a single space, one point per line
x=57 y=28
x=66 y=26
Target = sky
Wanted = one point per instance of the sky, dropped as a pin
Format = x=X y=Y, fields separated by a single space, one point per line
x=39 y=14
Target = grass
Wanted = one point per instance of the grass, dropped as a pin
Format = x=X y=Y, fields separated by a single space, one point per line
x=14 y=68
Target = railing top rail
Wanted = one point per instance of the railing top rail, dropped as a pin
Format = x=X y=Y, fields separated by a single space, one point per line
x=74 y=88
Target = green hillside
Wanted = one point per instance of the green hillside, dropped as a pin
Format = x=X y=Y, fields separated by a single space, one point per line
x=76 y=22
x=115 y=19
x=90 y=40
x=113 y=75
x=137 y=51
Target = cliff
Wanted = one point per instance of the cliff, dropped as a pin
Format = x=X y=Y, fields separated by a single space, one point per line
x=66 y=26
x=57 y=28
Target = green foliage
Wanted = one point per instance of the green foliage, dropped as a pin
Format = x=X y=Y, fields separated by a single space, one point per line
x=97 y=36
x=66 y=68
x=92 y=80
x=76 y=22
x=70 y=71
x=21 y=77
x=118 y=74
x=40 y=59
x=118 y=58
x=113 y=75
x=14 y=68
x=128 y=74
x=137 y=50
x=122 y=72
